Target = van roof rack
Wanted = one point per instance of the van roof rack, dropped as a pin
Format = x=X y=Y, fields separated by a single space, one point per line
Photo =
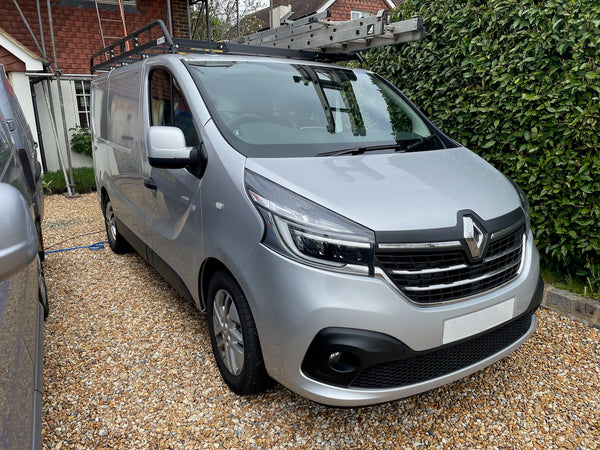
x=310 y=38
x=154 y=39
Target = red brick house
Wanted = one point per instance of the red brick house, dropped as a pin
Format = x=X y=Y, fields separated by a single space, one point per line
x=36 y=41
x=76 y=30
x=341 y=10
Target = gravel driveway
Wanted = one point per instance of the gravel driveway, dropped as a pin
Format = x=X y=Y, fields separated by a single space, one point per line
x=128 y=365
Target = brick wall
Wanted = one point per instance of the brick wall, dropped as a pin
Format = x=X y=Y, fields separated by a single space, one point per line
x=340 y=10
x=10 y=62
x=180 y=18
x=76 y=29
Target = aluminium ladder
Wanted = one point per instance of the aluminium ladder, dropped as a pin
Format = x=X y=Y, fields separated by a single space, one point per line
x=102 y=20
x=316 y=33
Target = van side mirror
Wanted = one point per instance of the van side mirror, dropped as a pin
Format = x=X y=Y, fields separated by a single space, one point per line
x=18 y=236
x=167 y=149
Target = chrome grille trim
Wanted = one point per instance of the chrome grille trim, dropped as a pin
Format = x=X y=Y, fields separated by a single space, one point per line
x=463 y=282
x=418 y=245
x=435 y=270
x=438 y=275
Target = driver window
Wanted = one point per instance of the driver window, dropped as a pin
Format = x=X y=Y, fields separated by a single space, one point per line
x=169 y=107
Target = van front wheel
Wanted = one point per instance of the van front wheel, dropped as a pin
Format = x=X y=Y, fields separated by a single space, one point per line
x=117 y=242
x=234 y=337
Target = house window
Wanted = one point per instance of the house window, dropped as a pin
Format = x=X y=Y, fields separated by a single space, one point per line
x=360 y=14
x=109 y=2
x=82 y=98
x=111 y=5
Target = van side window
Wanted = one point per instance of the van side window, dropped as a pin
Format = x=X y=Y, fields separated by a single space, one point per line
x=169 y=106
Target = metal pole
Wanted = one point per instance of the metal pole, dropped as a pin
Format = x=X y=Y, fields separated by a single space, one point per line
x=271 y=18
x=39 y=12
x=169 y=18
x=190 y=32
x=62 y=105
x=37 y=44
x=208 y=33
x=50 y=105
x=237 y=16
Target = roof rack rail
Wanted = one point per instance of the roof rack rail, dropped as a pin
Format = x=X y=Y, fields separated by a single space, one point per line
x=154 y=39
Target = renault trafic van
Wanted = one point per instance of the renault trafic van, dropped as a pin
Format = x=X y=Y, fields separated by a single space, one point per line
x=338 y=241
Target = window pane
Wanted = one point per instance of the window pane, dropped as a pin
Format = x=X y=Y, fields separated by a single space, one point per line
x=160 y=85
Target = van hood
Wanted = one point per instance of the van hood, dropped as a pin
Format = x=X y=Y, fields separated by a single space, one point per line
x=397 y=191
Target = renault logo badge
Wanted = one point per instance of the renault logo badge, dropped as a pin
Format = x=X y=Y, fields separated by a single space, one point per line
x=474 y=236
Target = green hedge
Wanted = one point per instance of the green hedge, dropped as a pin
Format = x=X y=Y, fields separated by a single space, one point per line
x=83 y=177
x=518 y=81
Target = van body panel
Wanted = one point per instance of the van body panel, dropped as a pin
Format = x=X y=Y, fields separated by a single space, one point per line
x=21 y=281
x=349 y=301
x=414 y=189
x=19 y=133
x=124 y=146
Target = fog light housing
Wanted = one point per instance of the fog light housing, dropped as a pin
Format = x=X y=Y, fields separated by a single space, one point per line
x=343 y=362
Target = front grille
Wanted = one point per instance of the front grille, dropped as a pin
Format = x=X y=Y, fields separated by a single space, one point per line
x=432 y=365
x=429 y=276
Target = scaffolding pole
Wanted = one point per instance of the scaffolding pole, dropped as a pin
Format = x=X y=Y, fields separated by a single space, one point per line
x=70 y=184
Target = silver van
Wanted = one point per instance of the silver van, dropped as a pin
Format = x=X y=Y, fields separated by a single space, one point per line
x=23 y=298
x=338 y=241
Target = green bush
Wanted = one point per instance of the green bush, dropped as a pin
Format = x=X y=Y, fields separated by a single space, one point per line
x=81 y=140
x=518 y=81
x=83 y=177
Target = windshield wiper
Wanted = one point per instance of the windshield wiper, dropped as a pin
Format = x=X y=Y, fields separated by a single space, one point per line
x=361 y=150
x=399 y=147
x=420 y=143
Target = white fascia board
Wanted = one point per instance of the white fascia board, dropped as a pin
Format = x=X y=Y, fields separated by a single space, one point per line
x=32 y=62
x=390 y=3
x=326 y=6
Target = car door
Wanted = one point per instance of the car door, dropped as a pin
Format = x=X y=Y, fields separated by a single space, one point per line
x=173 y=195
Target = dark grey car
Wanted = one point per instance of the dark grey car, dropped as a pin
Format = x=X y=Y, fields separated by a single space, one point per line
x=23 y=298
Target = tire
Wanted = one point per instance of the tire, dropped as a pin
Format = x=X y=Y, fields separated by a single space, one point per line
x=42 y=291
x=117 y=242
x=234 y=338
x=41 y=252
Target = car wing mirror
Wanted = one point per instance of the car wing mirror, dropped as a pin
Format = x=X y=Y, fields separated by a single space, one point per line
x=167 y=148
x=18 y=236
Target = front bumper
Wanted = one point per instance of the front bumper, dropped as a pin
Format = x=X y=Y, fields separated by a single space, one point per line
x=306 y=316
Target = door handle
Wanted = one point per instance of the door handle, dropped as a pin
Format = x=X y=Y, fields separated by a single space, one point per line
x=150 y=184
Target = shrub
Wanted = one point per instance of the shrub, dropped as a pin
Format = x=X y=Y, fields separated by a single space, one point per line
x=81 y=140
x=518 y=81
x=83 y=177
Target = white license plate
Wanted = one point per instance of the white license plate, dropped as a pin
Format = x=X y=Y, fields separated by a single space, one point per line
x=478 y=321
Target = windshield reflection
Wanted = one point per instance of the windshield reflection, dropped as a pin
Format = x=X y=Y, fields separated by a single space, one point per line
x=279 y=109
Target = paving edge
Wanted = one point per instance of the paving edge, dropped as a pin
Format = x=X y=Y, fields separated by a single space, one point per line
x=584 y=309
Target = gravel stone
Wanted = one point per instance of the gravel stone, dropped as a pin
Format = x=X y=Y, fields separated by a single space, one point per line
x=128 y=365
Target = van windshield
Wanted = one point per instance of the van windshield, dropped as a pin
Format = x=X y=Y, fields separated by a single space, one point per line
x=281 y=109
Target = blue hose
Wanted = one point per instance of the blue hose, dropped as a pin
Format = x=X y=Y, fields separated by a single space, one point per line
x=96 y=246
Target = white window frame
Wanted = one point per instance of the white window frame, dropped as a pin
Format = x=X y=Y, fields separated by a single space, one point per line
x=360 y=14
x=87 y=98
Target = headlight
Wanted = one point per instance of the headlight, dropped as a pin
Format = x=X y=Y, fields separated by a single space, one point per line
x=309 y=233
x=523 y=198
